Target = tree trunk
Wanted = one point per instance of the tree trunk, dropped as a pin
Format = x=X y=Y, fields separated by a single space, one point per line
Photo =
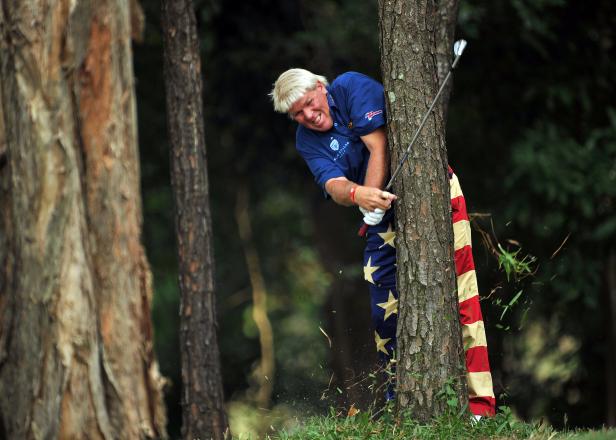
x=610 y=392
x=445 y=31
x=430 y=351
x=2 y=132
x=203 y=413
x=76 y=355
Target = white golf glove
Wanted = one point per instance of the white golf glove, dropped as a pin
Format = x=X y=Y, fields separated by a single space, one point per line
x=372 y=217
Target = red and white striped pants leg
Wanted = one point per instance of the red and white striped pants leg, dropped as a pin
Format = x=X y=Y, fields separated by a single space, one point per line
x=481 y=393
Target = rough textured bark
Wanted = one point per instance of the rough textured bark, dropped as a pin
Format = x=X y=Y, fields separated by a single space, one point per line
x=76 y=358
x=610 y=392
x=430 y=350
x=2 y=133
x=445 y=29
x=203 y=413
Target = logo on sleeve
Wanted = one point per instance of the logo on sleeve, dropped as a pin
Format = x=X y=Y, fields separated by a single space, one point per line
x=372 y=114
x=334 y=145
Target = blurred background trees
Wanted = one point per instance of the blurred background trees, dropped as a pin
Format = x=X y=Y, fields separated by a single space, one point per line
x=532 y=135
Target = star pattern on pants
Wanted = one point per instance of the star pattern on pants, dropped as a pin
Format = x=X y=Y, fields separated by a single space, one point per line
x=388 y=237
x=369 y=270
x=390 y=306
x=380 y=343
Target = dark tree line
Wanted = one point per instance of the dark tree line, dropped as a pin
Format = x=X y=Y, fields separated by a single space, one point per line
x=531 y=127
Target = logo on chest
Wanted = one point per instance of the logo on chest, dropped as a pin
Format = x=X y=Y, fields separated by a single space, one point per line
x=340 y=150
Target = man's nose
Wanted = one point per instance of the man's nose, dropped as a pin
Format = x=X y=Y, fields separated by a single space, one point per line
x=308 y=114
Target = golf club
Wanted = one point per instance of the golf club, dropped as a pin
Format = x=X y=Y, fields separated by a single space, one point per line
x=458 y=49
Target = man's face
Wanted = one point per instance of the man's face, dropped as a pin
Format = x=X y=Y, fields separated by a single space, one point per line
x=312 y=110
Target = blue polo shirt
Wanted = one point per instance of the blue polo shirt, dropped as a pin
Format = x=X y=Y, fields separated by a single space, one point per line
x=357 y=106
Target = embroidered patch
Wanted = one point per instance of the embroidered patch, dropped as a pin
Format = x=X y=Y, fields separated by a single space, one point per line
x=372 y=114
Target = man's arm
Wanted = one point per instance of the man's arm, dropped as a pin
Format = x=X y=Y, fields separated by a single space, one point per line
x=368 y=196
x=378 y=164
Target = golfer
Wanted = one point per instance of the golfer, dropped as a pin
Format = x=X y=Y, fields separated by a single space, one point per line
x=341 y=136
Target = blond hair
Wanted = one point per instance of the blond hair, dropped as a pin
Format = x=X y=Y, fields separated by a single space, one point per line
x=291 y=86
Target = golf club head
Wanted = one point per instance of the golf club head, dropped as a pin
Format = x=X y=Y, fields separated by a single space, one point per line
x=458 y=47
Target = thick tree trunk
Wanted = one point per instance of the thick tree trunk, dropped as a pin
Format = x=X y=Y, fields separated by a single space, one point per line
x=203 y=413
x=430 y=350
x=2 y=131
x=610 y=392
x=76 y=358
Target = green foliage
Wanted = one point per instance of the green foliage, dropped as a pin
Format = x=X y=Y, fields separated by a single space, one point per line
x=248 y=422
x=531 y=134
x=515 y=267
x=454 y=425
x=575 y=180
x=449 y=396
x=535 y=110
x=510 y=304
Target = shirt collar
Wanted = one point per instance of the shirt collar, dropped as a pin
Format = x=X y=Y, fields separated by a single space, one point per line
x=330 y=98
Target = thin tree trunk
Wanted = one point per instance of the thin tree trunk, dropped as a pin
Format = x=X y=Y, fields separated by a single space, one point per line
x=430 y=351
x=203 y=414
x=76 y=358
x=264 y=373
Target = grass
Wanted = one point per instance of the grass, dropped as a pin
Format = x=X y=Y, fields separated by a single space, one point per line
x=364 y=426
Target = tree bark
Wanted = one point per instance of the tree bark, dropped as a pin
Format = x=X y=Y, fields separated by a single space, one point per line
x=610 y=392
x=429 y=351
x=203 y=413
x=2 y=133
x=76 y=355
x=445 y=29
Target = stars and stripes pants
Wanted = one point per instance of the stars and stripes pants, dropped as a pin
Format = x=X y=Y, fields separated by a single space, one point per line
x=380 y=272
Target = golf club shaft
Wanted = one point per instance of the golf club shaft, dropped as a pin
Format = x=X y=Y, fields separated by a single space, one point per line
x=364 y=228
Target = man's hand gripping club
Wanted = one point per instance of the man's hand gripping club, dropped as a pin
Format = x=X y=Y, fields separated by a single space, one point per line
x=377 y=202
x=372 y=202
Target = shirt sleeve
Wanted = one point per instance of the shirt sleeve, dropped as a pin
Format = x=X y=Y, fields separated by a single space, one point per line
x=366 y=103
x=322 y=167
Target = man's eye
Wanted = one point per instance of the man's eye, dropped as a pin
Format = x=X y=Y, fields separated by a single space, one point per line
x=309 y=102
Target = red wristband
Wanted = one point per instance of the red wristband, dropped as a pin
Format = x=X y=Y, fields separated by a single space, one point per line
x=353 y=193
